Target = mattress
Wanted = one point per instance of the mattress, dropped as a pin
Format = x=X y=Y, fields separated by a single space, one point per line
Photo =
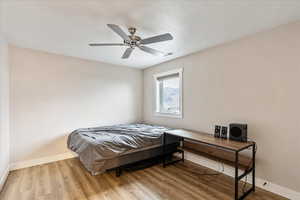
x=99 y=148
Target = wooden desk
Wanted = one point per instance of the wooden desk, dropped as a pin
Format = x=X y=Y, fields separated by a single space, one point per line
x=220 y=143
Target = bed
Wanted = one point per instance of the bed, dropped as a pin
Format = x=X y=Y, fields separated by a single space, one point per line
x=110 y=147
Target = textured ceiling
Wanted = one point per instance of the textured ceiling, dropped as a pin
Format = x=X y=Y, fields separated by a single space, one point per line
x=67 y=26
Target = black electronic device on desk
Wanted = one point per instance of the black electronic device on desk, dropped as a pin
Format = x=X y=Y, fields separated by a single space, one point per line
x=217 y=131
x=220 y=131
x=238 y=132
x=224 y=132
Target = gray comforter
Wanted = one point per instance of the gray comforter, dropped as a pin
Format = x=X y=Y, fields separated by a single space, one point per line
x=97 y=145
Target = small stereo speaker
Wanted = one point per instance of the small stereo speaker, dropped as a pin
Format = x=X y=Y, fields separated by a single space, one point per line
x=238 y=132
x=217 y=131
x=224 y=132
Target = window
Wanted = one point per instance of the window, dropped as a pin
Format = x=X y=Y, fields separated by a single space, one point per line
x=168 y=90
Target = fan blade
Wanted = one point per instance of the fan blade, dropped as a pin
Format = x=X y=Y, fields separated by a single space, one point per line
x=152 y=51
x=158 y=38
x=106 y=44
x=119 y=31
x=127 y=53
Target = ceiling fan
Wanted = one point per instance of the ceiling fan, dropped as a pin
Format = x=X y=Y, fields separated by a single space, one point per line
x=133 y=41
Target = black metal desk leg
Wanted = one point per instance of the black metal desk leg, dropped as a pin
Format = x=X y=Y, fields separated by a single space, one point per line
x=236 y=178
x=164 y=150
x=253 y=166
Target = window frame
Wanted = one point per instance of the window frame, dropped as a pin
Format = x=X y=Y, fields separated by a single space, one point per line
x=156 y=100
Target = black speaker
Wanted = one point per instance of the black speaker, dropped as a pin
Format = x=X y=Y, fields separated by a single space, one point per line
x=217 y=131
x=224 y=132
x=238 y=132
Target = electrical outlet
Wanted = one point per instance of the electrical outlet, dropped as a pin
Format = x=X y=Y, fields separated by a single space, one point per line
x=265 y=183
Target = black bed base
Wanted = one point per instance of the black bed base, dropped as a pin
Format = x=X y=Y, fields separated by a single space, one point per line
x=143 y=164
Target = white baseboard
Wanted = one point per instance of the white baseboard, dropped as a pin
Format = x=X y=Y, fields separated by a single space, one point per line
x=228 y=170
x=40 y=161
x=3 y=178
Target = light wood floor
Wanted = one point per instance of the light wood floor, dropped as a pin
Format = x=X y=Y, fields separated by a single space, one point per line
x=66 y=180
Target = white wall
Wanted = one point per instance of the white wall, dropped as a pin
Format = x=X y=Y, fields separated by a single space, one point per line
x=52 y=95
x=4 y=111
x=253 y=80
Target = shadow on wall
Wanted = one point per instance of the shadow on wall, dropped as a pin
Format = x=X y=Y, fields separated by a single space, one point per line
x=53 y=147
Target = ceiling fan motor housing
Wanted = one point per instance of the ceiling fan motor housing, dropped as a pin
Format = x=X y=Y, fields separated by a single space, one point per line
x=134 y=40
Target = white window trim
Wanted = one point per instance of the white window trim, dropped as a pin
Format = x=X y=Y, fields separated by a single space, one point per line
x=155 y=77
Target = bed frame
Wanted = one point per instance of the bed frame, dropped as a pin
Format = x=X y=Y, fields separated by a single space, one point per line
x=126 y=161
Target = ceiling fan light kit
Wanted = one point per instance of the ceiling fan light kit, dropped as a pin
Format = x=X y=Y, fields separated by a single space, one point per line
x=132 y=41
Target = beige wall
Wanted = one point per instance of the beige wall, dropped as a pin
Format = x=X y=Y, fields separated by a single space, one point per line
x=51 y=95
x=4 y=110
x=253 y=80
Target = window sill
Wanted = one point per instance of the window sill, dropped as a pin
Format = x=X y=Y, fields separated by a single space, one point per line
x=178 y=116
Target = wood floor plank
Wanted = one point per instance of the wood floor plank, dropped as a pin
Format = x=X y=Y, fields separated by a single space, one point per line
x=68 y=180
